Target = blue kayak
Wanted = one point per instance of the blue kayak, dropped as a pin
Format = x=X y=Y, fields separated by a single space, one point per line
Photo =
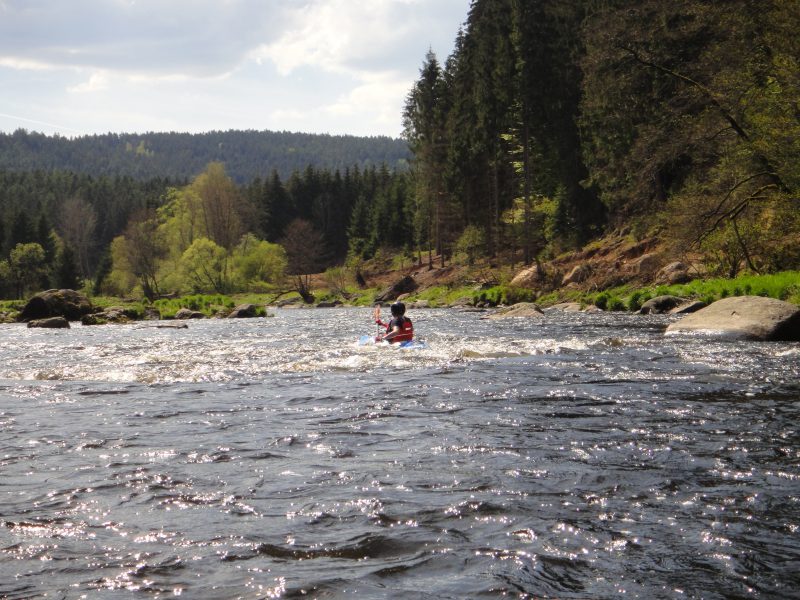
x=368 y=340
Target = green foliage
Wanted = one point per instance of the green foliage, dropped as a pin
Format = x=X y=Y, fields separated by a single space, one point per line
x=337 y=279
x=445 y=295
x=637 y=299
x=207 y=304
x=505 y=295
x=205 y=266
x=132 y=309
x=471 y=244
x=24 y=268
x=257 y=261
x=782 y=286
x=609 y=301
x=65 y=275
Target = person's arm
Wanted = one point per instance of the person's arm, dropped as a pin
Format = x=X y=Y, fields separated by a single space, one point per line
x=393 y=333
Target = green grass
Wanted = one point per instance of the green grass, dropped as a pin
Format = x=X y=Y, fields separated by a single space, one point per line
x=12 y=305
x=782 y=286
x=444 y=295
x=134 y=309
x=209 y=305
x=503 y=294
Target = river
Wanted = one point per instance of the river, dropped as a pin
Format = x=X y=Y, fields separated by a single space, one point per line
x=579 y=456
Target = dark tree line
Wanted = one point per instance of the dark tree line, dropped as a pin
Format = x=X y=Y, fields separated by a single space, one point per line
x=180 y=156
x=74 y=218
x=355 y=211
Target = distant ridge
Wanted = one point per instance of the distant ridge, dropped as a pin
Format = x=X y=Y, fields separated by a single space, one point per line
x=247 y=154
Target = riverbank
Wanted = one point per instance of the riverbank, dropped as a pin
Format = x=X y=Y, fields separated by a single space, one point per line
x=618 y=273
x=441 y=288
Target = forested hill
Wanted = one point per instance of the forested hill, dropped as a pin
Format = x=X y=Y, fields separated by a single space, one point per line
x=180 y=156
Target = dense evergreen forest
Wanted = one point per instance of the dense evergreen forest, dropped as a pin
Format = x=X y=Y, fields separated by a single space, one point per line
x=181 y=156
x=553 y=122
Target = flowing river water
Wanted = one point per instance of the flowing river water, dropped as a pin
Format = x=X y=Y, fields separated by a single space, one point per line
x=577 y=456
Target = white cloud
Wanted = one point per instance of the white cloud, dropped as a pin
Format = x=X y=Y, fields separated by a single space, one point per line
x=340 y=35
x=379 y=99
x=197 y=37
x=336 y=66
x=23 y=64
x=98 y=81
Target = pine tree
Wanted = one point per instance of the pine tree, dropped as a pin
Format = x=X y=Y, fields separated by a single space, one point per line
x=423 y=120
x=66 y=274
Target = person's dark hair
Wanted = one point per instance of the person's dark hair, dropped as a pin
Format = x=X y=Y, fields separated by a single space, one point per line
x=398 y=309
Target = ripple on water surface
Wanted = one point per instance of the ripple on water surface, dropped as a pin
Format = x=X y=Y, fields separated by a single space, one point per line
x=582 y=456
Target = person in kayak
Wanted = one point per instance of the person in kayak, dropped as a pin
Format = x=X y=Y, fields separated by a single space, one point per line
x=399 y=329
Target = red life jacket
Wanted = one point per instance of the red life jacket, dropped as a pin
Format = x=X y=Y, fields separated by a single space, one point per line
x=406 y=333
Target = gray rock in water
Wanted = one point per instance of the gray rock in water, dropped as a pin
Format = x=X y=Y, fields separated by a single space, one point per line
x=688 y=307
x=185 y=313
x=329 y=304
x=50 y=323
x=243 y=311
x=113 y=314
x=744 y=317
x=566 y=307
x=660 y=305
x=523 y=309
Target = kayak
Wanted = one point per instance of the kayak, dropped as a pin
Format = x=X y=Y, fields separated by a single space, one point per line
x=368 y=340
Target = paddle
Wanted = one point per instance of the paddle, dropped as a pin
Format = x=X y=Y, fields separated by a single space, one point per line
x=376 y=316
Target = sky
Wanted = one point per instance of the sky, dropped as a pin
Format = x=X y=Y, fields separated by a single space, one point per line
x=81 y=67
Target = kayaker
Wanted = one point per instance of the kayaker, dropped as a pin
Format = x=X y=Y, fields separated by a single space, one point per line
x=399 y=329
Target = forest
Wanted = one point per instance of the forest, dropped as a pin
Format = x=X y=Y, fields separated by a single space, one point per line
x=551 y=124
x=181 y=156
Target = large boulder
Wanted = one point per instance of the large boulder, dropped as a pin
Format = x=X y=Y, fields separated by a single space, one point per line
x=645 y=264
x=69 y=304
x=673 y=273
x=578 y=274
x=522 y=310
x=406 y=285
x=530 y=277
x=744 y=317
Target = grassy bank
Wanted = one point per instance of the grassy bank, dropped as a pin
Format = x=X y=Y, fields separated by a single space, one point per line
x=782 y=286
